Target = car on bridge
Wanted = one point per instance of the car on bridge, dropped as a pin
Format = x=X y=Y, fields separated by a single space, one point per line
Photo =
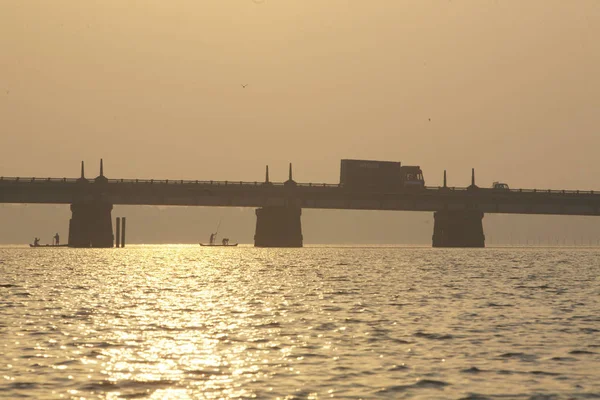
x=500 y=186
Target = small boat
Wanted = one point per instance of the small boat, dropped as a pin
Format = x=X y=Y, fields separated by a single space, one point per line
x=213 y=240
x=48 y=245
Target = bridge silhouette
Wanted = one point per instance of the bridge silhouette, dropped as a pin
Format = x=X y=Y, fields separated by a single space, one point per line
x=458 y=211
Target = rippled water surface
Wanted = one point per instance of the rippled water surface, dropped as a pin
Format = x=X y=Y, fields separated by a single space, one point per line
x=188 y=322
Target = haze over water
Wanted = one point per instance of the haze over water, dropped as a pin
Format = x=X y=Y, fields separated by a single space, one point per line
x=319 y=322
x=155 y=89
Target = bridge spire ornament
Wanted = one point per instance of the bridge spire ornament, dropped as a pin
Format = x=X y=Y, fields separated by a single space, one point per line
x=101 y=178
x=290 y=181
x=473 y=186
x=82 y=177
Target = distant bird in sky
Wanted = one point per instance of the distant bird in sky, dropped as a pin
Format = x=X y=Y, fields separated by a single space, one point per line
x=244 y=86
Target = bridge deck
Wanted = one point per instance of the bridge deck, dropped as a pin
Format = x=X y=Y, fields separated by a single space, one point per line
x=305 y=195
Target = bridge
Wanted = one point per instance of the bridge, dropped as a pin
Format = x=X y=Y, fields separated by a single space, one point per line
x=458 y=212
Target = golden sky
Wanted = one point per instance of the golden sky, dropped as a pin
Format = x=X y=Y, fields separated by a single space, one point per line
x=509 y=87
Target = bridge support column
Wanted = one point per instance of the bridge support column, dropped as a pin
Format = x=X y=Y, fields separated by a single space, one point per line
x=91 y=225
x=458 y=228
x=278 y=227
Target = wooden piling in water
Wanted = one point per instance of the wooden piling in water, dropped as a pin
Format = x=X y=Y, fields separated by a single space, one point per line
x=118 y=233
x=123 y=232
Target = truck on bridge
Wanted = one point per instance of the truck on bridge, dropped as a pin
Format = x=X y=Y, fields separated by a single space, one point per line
x=371 y=175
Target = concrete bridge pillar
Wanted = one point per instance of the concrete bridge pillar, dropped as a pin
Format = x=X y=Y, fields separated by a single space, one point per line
x=91 y=225
x=91 y=222
x=278 y=227
x=458 y=228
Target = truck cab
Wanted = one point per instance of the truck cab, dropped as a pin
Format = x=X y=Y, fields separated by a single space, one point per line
x=412 y=176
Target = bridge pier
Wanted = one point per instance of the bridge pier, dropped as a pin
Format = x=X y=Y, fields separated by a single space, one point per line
x=278 y=227
x=91 y=225
x=91 y=222
x=458 y=228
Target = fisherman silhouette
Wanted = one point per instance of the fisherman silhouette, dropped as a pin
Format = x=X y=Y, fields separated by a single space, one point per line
x=56 y=239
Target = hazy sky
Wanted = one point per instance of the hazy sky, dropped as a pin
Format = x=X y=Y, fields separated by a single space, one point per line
x=509 y=87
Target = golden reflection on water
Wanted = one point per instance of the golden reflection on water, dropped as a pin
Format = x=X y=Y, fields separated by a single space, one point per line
x=181 y=322
x=181 y=332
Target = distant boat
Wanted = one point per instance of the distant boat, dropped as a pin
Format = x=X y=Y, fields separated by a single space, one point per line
x=213 y=240
x=218 y=245
x=48 y=245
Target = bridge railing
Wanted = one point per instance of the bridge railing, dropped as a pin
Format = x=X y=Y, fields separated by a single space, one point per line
x=500 y=191
x=214 y=183
x=160 y=182
x=37 y=180
x=21 y=179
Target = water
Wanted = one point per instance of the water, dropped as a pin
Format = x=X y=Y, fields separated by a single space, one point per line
x=179 y=322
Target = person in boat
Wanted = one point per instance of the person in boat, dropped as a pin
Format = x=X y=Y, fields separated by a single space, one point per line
x=225 y=241
x=36 y=242
x=56 y=239
x=212 y=238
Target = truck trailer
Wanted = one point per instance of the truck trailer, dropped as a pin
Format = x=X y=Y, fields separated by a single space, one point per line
x=372 y=175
